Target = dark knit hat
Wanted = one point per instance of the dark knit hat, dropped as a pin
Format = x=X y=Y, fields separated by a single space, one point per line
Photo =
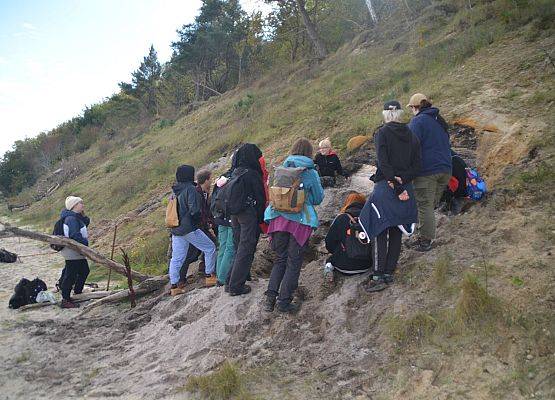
x=185 y=173
x=392 y=105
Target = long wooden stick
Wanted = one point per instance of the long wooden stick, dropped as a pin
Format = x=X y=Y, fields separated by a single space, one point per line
x=112 y=254
x=91 y=254
x=129 y=280
x=77 y=298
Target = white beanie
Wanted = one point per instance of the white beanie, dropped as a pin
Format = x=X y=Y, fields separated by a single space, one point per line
x=72 y=201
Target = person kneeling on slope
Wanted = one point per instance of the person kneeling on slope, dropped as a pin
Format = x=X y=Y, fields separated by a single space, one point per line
x=350 y=248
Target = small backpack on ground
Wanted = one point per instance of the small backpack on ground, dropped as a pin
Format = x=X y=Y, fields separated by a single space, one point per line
x=475 y=185
x=172 y=217
x=7 y=256
x=287 y=193
x=58 y=231
x=357 y=243
x=232 y=197
x=25 y=292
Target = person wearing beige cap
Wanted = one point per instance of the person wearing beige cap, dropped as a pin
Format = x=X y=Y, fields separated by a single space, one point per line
x=76 y=268
x=432 y=131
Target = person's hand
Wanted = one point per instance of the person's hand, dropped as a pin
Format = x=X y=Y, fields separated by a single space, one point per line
x=404 y=196
x=391 y=185
x=398 y=179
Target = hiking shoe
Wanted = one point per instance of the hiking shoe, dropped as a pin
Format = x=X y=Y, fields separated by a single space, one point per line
x=376 y=285
x=244 y=290
x=226 y=288
x=176 y=291
x=181 y=285
x=210 y=281
x=388 y=278
x=68 y=304
x=288 y=308
x=423 y=245
x=269 y=303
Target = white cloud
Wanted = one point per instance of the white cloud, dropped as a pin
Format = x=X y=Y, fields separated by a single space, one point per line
x=29 y=26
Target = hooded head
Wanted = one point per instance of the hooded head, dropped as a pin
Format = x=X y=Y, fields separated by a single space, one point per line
x=247 y=156
x=352 y=199
x=185 y=173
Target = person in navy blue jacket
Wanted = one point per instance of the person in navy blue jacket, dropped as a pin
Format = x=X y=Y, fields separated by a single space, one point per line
x=76 y=268
x=432 y=131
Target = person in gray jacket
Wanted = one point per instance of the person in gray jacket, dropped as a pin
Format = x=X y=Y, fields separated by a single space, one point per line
x=189 y=203
x=76 y=268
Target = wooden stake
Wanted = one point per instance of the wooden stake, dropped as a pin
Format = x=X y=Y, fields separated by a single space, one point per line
x=112 y=255
x=129 y=280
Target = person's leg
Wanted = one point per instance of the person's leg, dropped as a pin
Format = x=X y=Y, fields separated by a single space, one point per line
x=379 y=257
x=244 y=257
x=393 y=250
x=441 y=183
x=201 y=241
x=68 y=279
x=193 y=255
x=425 y=190
x=236 y=234
x=82 y=274
x=290 y=280
x=180 y=246
x=279 y=244
x=226 y=252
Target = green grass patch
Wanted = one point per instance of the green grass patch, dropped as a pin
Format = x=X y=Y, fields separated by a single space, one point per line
x=226 y=383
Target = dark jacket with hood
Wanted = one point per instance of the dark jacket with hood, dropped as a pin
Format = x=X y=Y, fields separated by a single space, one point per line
x=430 y=128
x=246 y=159
x=398 y=153
x=189 y=202
x=75 y=227
x=328 y=165
x=336 y=243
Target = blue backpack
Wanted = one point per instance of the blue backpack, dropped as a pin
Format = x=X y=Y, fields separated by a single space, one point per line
x=475 y=185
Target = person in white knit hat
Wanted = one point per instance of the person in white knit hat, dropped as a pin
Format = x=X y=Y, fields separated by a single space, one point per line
x=76 y=267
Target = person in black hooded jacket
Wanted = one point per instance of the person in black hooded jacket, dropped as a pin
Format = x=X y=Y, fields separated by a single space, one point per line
x=245 y=224
x=399 y=162
x=336 y=241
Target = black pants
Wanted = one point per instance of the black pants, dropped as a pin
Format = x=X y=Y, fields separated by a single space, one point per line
x=387 y=248
x=284 y=278
x=245 y=236
x=74 y=277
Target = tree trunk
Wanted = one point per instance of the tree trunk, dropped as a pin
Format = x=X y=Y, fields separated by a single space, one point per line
x=91 y=254
x=317 y=42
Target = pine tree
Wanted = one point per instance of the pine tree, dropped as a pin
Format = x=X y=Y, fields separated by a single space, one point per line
x=145 y=80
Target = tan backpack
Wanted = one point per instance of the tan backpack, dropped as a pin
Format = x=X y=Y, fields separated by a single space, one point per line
x=172 y=218
x=287 y=194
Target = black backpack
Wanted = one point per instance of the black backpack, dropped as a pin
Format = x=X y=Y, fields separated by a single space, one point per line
x=25 y=292
x=357 y=242
x=7 y=256
x=58 y=231
x=231 y=198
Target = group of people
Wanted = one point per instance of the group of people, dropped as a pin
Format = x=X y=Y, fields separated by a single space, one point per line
x=414 y=165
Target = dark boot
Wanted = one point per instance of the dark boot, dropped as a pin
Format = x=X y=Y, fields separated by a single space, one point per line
x=244 y=290
x=68 y=304
x=269 y=303
x=388 y=278
x=377 y=284
x=287 y=307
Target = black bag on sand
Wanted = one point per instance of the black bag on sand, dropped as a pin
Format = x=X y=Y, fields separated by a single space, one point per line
x=25 y=292
x=7 y=256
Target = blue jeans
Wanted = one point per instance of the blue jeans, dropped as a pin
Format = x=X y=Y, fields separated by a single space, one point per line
x=180 y=245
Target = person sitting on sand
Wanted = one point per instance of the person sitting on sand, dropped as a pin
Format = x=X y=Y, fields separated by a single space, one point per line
x=351 y=252
x=327 y=163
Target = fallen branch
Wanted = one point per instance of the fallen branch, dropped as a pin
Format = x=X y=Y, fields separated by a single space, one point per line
x=145 y=287
x=72 y=244
x=78 y=298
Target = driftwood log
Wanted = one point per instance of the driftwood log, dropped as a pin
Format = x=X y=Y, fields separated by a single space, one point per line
x=76 y=298
x=91 y=254
x=145 y=287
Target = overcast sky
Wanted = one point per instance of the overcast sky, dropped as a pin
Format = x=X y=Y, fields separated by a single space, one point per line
x=58 y=56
